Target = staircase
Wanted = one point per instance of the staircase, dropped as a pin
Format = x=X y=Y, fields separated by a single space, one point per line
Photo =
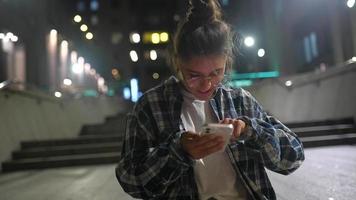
x=101 y=143
x=96 y=144
x=325 y=133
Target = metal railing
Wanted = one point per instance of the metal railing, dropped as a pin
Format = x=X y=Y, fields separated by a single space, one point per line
x=312 y=77
x=4 y=84
x=26 y=90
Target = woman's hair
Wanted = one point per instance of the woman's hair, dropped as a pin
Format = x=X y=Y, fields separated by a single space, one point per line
x=203 y=32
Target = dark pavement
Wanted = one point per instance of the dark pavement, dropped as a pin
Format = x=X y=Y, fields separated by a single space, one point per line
x=328 y=173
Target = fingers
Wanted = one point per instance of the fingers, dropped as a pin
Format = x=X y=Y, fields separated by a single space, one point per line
x=206 y=139
x=200 y=146
x=189 y=136
x=207 y=148
x=226 y=121
x=238 y=124
x=212 y=149
x=238 y=128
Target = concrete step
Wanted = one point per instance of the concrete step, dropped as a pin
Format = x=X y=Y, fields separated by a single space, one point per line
x=50 y=151
x=329 y=140
x=62 y=161
x=118 y=119
x=320 y=128
x=101 y=144
x=326 y=132
x=112 y=125
x=96 y=144
x=321 y=123
x=102 y=129
x=88 y=139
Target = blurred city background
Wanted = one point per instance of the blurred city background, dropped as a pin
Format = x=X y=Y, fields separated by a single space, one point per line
x=70 y=70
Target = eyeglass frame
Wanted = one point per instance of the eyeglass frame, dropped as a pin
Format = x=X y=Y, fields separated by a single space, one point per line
x=219 y=74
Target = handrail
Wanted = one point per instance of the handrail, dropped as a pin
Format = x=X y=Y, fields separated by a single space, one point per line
x=319 y=76
x=5 y=84
x=35 y=94
x=312 y=77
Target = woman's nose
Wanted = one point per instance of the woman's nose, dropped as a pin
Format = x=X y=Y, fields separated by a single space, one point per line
x=205 y=85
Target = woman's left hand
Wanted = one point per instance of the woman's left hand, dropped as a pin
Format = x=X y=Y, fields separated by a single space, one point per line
x=239 y=126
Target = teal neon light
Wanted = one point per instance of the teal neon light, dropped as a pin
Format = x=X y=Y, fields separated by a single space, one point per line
x=110 y=93
x=90 y=93
x=270 y=74
x=241 y=83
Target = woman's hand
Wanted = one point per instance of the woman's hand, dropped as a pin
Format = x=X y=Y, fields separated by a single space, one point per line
x=239 y=126
x=200 y=146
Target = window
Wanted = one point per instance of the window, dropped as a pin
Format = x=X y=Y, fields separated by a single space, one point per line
x=310 y=47
x=115 y=4
x=116 y=38
x=94 y=20
x=225 y=2
x=81 y=6
x=94 y=5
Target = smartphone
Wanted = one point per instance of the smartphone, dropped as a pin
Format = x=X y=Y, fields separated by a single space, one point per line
x=224 y=130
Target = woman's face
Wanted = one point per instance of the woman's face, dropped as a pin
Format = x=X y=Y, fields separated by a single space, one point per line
x=202 y=74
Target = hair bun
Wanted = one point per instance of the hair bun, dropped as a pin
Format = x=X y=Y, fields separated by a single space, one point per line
x=203 y=11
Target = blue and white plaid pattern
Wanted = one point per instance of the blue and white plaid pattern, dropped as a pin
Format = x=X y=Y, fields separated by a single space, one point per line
x=153 y=165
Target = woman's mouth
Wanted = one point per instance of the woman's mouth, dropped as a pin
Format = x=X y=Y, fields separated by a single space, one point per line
x=205 y=94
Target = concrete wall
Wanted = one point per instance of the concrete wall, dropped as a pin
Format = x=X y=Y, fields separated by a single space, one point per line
x=313 y=96
x=29 y=116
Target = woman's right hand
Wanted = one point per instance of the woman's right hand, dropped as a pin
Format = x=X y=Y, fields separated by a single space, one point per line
x=200 y=146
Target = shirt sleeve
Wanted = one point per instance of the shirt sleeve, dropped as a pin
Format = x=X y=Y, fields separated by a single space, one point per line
x=148 y=167
x=280 y=148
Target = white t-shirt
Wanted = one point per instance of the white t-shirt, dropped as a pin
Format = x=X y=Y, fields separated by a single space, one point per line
x=214 y=174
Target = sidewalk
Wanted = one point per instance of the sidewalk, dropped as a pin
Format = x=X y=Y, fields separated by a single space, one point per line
x=73 y=183
x=328 y=173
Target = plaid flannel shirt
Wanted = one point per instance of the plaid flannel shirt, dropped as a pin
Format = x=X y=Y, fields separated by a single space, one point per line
x=153 y=164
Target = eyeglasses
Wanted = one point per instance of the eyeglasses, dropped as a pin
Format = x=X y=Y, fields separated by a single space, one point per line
x=195 y=80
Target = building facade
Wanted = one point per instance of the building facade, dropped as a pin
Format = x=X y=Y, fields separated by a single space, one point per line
x=297 y=36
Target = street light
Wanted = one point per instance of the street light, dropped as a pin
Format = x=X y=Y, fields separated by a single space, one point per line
x=164 y=36
x=77 y=68
x=127 y=93
x=58 y=94
x=89 y=36
x=155 y=75
x=155 y=38
x=83 y=27
x=249 y=41
x=153 y=55
x=14 y=38
x=77 y=18
x=135 y=38
x=133 y=56
x=67 y=82
x=134 y=89
x=261 y=53
x=350 y=3
x=288 y=83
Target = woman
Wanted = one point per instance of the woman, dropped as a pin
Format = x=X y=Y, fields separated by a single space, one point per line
x=164 y=157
